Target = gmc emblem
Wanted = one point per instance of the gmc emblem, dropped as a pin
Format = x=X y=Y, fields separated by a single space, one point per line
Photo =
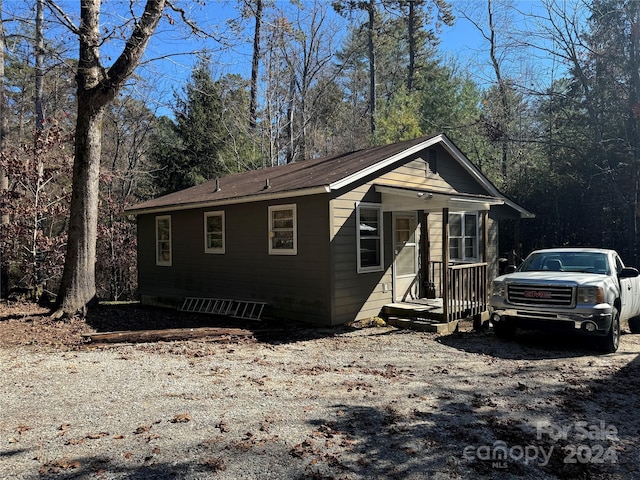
x=537 y=294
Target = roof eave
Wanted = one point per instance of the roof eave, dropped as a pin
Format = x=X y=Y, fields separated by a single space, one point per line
x=348 y=180
x=228 y=201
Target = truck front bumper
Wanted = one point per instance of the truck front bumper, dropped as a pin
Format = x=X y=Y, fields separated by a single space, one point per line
x=591 y=321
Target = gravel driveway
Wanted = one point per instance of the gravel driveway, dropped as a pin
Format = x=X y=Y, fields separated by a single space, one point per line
x=370 y=403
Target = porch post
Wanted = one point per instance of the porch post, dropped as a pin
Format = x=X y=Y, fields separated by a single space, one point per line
x=485 y=236
x=477 y=320
x=445 y=263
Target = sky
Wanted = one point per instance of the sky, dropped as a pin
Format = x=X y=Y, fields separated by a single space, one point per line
x=462 y=42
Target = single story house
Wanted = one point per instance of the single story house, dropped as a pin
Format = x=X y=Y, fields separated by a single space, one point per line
x=330 y=240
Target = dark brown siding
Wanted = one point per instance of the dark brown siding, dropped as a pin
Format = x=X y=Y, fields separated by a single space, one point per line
x=295 y=286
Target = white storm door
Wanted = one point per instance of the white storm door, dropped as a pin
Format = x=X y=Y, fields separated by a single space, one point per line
x=405 y=256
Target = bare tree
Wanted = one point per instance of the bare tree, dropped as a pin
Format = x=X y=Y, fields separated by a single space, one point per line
x=4 y=179
x=97 y=87
x=255 y=63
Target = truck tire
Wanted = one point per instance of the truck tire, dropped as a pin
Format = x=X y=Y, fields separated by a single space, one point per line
x=611 y=341
x=504 y=330
x=634 y=324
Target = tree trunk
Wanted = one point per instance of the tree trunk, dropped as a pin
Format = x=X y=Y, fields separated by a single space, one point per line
x=506 y=111
x=372 y=65
x=39 y=70
x=4 y=179
x=412 y=45
x=4 y=123
x=78 y=287
x=96 y=88
x=253 y=105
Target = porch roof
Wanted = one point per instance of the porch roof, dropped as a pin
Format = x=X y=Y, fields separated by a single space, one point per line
x=400 y=198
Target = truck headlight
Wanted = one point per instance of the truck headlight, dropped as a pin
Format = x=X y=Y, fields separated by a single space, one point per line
x=498 y=288
x=590 y=295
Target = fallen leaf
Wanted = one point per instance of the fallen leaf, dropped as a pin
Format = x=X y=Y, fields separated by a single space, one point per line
x=142 y=429
x=223 y=427
x=181 y=418
x=23 y=428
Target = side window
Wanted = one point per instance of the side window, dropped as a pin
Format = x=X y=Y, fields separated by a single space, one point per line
x=369 y=237
x=463 y=236
x=163 y=241
x=214 y=232
x=619 y=265
x=283 y=237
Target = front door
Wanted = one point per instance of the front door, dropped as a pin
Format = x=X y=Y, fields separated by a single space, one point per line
x=405 y=256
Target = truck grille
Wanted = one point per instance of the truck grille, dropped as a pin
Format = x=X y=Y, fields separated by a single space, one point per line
x=559 y=296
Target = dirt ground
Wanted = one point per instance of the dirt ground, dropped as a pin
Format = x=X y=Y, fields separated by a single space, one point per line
x=288 y=401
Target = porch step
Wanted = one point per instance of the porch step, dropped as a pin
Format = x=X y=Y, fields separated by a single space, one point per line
x=430 y=312
x=247 y=310
x=423 y=325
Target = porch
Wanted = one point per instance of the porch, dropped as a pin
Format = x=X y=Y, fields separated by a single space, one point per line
x=458 y=292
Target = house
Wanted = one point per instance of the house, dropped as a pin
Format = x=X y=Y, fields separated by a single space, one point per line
x=331 y=240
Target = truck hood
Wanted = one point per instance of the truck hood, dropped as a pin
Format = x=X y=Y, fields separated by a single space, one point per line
x=565 y=278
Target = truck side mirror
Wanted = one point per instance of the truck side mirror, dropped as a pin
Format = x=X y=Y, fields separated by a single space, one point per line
x=510 y=269
x=628 y=272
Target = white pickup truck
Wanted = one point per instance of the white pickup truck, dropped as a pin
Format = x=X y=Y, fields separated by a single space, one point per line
x=582 y=290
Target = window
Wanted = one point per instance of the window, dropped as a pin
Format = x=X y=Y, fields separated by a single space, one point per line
x=369 y=233
x=463 y=236
x=214 y=232
x=163 y=241
x=283 y=238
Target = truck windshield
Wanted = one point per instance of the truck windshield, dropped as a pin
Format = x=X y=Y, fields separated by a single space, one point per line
x=585 y=262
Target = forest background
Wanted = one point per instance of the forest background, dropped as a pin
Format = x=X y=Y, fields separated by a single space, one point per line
x=549 y=112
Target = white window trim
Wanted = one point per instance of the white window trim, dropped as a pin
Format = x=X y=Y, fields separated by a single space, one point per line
x=283 y=251
x=476 y=253
x=166 y=263
x=219 y=213
x=375 y=268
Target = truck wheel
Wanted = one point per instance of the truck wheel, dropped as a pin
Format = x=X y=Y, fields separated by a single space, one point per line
x=634 y=324
x=504 y=330
x=611 y=341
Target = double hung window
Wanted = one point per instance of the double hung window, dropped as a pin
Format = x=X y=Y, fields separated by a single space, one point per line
x=463 y=236
x=163 y=240
x=369 y=237
x=283 y=237
x=214 y=232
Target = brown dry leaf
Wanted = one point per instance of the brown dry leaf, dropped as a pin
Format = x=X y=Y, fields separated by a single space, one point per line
x=58 y=465
x=23 y=428
x=128 y=455
x=142 y=429
x=118 y=437
x=181 y=418
x=95 y=436
x=223 y=427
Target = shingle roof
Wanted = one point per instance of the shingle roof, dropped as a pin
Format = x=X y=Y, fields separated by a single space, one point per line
x=309 y=177
x=314 y=174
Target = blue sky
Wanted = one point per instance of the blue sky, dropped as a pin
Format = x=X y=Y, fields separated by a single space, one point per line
x=462 y=42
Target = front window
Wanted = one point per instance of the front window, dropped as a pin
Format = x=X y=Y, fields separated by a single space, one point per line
x=163 y=241
x=463 y=236
x=283 y=238
x=214 y=232
x=369 y=233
